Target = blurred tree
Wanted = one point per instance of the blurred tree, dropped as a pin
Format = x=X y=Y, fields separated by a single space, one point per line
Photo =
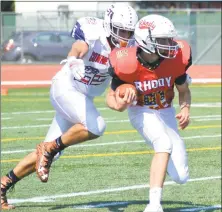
x=177 y=4
x=8 y=19
x=7 y=6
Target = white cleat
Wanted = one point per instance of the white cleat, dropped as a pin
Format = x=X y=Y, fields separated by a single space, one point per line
x=153 y=208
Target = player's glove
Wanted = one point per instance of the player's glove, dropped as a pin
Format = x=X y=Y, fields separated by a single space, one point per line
x=76 y=66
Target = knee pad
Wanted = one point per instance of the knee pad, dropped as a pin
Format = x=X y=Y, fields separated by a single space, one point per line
x=97 y=127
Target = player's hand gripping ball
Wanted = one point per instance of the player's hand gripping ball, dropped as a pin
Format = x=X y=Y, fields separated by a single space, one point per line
x=122 y=90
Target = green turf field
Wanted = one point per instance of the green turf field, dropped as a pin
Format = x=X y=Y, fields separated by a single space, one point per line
x=110 y=174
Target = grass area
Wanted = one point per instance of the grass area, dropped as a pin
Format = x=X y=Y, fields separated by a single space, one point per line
x=111 y=173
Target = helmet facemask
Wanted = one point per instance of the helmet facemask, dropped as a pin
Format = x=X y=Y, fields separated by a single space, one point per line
x=166 y=47
x=120 y=36
x=119 y=24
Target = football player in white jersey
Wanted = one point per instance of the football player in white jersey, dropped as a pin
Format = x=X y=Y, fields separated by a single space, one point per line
x=84 y=76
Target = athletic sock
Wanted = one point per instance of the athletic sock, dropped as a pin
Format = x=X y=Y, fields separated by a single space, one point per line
x=13 y=178
x=155 y=195
x=59 y=144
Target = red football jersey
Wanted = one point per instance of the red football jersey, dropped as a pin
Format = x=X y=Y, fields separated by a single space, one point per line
x=155 y=87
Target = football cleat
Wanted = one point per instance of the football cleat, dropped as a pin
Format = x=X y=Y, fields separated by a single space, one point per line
x=5 y=182
x=45 y=154
x=153 y=208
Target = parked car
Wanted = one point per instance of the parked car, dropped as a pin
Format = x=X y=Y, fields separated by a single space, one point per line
x=30 y=46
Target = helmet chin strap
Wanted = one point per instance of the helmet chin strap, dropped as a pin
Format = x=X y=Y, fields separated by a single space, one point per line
x=150 y=37
x=150 y=66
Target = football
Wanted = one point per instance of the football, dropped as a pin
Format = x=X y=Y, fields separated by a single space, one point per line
x=122 y=89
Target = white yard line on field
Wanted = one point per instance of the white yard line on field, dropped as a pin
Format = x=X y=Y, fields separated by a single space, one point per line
x=205 y=118
x=209 y=119
x=25 y=127
x=50 y=119
x=6 y=118
x=44 y=119
x=211 y=104
x=88 y=193
x=109 y=143
x=29 y=112
x=115 y=119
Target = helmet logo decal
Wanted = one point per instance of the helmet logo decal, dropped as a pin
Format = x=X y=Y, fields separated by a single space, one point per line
x=122 y=53
x=91 y=20
x=147 y=25
x=110 y=13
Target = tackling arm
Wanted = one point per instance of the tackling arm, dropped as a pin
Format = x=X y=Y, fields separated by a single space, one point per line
x=79 y=49
x=74 y=62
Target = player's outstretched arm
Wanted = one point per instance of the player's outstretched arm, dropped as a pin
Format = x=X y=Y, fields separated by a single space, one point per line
x=79 y=49
x=74 y=62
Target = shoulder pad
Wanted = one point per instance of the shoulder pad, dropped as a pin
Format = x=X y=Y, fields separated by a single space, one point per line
x=124 y=63
x=87 y=28
x=185 y=53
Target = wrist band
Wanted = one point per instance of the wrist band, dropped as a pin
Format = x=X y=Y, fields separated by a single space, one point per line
x=184 y=105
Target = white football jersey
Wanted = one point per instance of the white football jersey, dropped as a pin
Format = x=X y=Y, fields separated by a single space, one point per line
x=97 y=78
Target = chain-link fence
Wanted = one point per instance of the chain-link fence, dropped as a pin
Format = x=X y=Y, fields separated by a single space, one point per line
x=201 y=28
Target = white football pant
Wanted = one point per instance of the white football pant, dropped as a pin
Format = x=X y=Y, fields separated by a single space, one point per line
x=72 y=107
x=159 y=129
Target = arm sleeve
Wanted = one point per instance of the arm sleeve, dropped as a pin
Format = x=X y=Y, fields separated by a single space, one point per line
x=189 y=61
x=116 y=82
x=181 y=79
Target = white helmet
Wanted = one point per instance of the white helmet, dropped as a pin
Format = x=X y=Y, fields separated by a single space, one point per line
x=155 y=34
x=117 y=17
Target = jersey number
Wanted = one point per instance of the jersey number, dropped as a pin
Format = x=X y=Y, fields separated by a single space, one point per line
x=157 y=100
x=93 y=77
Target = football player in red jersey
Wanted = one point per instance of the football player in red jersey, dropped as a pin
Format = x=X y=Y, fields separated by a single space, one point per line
x=157 y=65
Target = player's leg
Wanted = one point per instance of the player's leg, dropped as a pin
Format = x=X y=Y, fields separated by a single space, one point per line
x=27 y=165
x=87 y=124
x=177 y=167
x=149 y=124
x=178 y=164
